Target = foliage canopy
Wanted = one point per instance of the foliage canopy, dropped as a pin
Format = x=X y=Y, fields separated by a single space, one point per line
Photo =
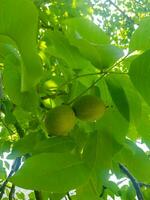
x=54 y=54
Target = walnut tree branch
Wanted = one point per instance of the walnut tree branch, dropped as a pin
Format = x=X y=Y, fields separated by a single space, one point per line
x=15 y=167
x=103 y=191
x=121 y=11
x=12 y=192
x=68 y=196
x=133 y=180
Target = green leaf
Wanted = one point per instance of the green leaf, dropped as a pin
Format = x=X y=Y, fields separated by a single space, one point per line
x=7 y=109
x=4 y=146
x=118 y=95
x=54 y=144
x=133 y=98
x=90 y=150
x=87 y=192
x=36 y=143
x=127 y=192
x=23 y=117
x=98 y=154
x=22 y=29
x=92 y=42
x=140 y=39
x=143 y=126
x=107 y=148
x=112 y=187
x=20 y=195
x=56 y=196
x=26 y=144
x=140 y=73
x=146 y=193
x=12 y=84
x=32 y=196
x=59 y=46
x=132 y=156
x=101 y=56
x=78 y=29
x=8 y=47
x=2 y=171
x=57 y=172
x=81 y=136
x=115 y=124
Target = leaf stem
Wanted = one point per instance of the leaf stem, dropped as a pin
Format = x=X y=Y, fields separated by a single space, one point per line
x=104 y=73
x=82 y=93
x=79 y=76
x=89 y=74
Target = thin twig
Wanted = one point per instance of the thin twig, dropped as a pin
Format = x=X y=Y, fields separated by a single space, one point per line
x=79 y=76
x=89 y=74
x=121 y=181
x=121 y=11
x=103 y=191
x=97 y=80
x=38 y=195
x=68 y=195
x=144 y=185
x=14 y=168
x=12 y=192
x=93 y=84
x=133 y=180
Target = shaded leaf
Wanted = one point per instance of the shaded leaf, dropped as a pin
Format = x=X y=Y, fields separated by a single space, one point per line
x=115 y=124
x=118 y=95
x=54 y=144
x=26 y=144
x=36 y=143
x=140 y=73
x=57 y=172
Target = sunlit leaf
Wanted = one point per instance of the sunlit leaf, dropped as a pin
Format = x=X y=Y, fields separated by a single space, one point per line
x=21 y=27
x=140 y=39
x=92 y=42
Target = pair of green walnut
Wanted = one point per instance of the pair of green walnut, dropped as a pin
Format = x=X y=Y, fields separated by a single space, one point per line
x=61 y=119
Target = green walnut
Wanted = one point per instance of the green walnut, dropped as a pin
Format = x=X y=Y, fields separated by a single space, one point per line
x=60 y=120
x=89 y=108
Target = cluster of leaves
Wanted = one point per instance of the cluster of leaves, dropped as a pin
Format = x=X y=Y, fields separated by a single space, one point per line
x=51 y=54
x=120 y=18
